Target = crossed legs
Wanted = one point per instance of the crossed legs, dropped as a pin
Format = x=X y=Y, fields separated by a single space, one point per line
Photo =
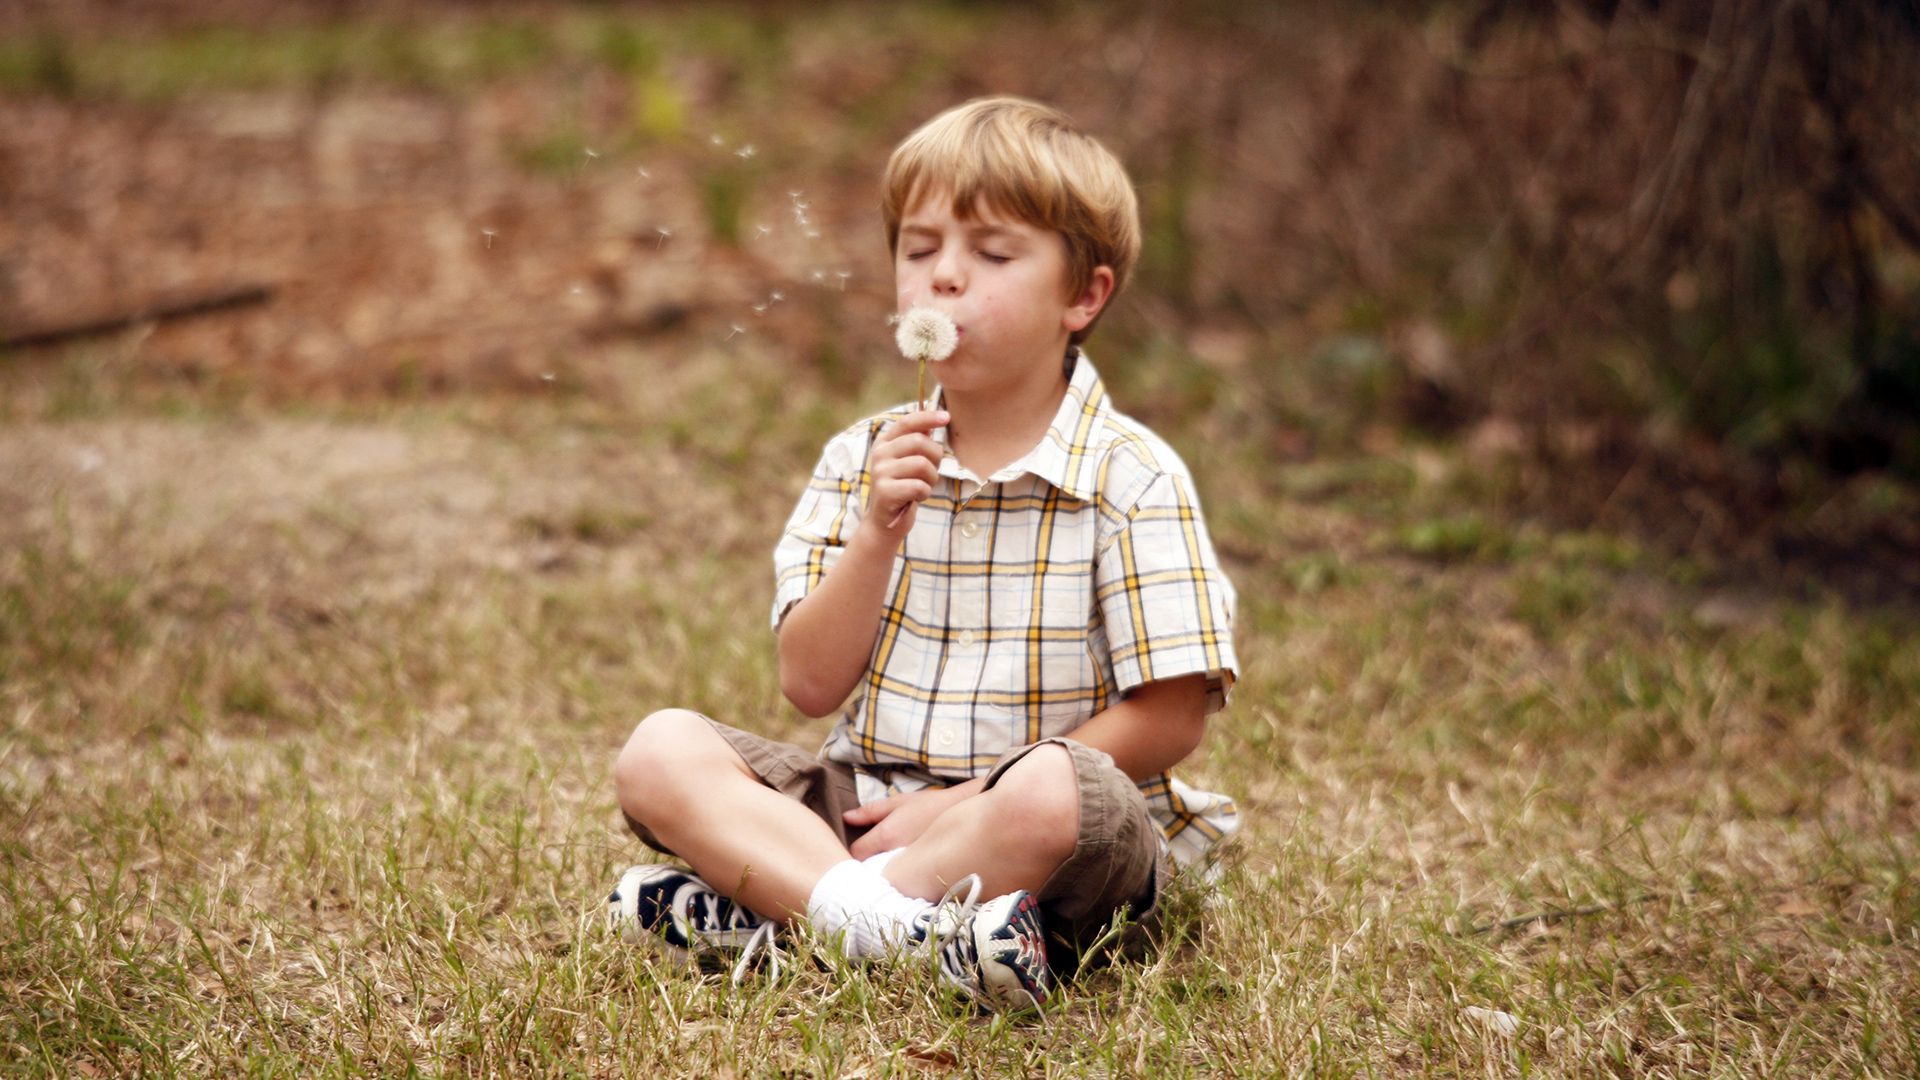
x=687 y=785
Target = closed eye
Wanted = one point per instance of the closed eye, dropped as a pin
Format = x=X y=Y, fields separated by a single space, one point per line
x=991 y=257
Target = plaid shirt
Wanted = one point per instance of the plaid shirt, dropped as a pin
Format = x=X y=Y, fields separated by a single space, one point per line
x=1023 y=604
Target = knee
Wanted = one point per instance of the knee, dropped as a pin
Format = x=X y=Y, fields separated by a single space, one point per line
x=644 y=771
x=1038 y=797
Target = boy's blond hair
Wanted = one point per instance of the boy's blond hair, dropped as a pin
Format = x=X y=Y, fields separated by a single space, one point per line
x=1027 y=162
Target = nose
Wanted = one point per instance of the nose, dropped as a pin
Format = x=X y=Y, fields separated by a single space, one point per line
x=948 y=274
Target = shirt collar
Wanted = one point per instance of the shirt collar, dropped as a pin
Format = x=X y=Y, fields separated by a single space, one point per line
x=1062 y=456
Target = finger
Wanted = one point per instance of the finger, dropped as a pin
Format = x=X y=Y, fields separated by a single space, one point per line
x=863 y=847
x=921 y=422
x=868 y=813
x=909 y=468
x=893 y=494
x=907 y=448
x=912 y=444
x=922 y=447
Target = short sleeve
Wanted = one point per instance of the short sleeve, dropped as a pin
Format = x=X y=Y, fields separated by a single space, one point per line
x=822 y=521
x=1167 y=606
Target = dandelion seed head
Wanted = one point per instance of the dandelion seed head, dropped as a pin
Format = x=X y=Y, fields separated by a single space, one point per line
x=776 y=296
x=744 y=152
x=926 y=334
x=591 y=153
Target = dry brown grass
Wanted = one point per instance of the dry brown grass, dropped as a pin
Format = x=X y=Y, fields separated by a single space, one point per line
x=307 y=723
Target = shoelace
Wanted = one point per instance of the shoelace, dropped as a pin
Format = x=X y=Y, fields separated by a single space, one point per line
x=961 y=908
x=716 y=913
x=761 y=941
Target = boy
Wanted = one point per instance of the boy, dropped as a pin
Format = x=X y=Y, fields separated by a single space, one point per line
x=1017 y=591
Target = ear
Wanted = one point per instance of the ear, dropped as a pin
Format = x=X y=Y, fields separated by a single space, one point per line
x=1082 y=309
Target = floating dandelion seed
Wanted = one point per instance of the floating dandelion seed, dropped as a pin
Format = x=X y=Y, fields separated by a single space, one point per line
x=591 y=153
x=759 y=309
x=716 y=140
x=642 y=172
x=489 y=234
x=818 y=275
x=661 y=235
x=546 y=376
x=843 y=275
x=776 y=296
x=733 y=329
x=744 y=152
x=813 y=234
x=760 y=231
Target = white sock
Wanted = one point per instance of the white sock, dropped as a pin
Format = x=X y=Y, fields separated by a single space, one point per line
x=880 y=861
x=854 y=902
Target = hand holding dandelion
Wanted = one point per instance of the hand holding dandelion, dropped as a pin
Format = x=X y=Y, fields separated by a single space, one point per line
x=925 y=334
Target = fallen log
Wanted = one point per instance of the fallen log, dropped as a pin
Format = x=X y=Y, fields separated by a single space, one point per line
x=182 y=305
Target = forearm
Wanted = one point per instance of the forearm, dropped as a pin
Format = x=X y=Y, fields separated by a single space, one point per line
x=1151 y=730
x=826 y=640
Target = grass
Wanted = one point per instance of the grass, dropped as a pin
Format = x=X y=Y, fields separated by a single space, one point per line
x=303 y=770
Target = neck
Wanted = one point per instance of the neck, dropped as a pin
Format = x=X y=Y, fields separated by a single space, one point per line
x=993 y=427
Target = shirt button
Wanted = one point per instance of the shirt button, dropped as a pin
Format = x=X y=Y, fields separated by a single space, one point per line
x=970 y=530
x=966 y=639
x=945 y=739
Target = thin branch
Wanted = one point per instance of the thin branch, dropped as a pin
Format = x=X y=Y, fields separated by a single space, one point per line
x=180 y=306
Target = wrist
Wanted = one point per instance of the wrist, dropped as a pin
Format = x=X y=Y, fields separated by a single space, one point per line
x=872 y=539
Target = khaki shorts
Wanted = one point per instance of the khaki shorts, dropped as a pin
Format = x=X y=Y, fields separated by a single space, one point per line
x=1117 y=872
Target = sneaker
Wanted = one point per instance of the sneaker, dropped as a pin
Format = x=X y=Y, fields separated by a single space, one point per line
x=684 y=913
x=995 y=952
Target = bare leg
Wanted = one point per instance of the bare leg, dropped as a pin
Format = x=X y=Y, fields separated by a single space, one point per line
x=681 y=780
x=1014 y=835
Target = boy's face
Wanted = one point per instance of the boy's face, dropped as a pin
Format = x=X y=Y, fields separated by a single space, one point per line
x=1004 y=284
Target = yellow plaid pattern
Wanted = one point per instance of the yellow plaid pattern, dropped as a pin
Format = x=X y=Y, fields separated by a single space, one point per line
x=1026 y=602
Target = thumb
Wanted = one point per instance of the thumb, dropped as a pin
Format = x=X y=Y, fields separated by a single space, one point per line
x=869 y=813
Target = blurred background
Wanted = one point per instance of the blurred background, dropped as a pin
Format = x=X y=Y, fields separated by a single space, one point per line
x=1649 y=268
